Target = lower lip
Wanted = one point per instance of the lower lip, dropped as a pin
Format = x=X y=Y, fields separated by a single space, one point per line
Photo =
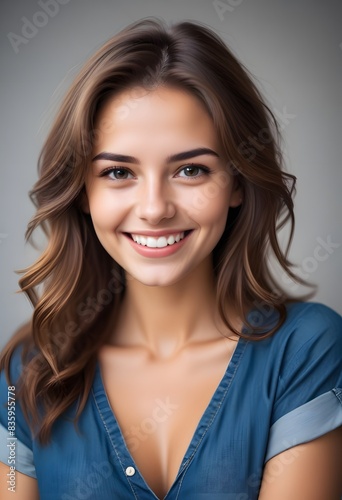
x=157 y=252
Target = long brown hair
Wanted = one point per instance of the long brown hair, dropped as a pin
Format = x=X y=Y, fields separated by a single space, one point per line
x=78 y=282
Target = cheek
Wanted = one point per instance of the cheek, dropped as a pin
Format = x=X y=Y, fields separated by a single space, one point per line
x=210 y=206
x=105 y=209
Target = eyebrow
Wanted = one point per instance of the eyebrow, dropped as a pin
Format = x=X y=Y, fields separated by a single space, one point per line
x=185 y=155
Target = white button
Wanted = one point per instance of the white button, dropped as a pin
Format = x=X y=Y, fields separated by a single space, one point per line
x=130 y=471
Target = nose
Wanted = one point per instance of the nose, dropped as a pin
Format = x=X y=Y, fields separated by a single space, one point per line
x=155 y=202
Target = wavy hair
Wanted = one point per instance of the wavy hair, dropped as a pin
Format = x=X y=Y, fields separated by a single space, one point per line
x=75 y=284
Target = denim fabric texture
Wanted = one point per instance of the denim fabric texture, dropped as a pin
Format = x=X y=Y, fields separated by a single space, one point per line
x=275 y=394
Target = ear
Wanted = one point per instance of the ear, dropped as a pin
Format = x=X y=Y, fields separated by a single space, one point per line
x=236 y=196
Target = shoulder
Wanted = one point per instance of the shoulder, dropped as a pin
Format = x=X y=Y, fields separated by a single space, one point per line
x=9 y=391
x=313 y=316
x=307 y=352
x=309 y=325
x=15 y=366
x=15 y=358
x=306 y=372
x=19 y=347
x=302 y=359
x=14 y=372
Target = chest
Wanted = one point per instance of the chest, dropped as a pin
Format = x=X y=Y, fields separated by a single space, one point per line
x=158 y=404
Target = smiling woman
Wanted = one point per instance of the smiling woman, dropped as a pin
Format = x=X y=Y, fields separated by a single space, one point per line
x=148 y=208
x=158 y=328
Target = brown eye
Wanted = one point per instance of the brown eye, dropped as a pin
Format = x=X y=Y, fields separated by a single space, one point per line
x=120 y=173
x=191 y=171
x=117 y=174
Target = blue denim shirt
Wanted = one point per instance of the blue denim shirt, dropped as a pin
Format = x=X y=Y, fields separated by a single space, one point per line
x=275 y=394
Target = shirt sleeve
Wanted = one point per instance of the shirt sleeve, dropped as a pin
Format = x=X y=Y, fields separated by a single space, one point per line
x=15 y=435
x=308 y=399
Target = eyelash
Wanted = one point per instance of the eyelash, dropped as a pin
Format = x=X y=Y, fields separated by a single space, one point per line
x=205 y=171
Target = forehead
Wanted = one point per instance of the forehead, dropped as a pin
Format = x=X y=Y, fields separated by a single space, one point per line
x=155 y=114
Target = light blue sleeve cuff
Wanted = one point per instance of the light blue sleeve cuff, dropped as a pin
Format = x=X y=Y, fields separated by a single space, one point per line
x=305 y=423
x=11 y=449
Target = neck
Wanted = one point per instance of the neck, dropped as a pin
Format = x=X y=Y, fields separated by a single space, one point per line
x=165 y=320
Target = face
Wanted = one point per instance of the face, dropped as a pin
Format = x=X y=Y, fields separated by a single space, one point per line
x=157 y=187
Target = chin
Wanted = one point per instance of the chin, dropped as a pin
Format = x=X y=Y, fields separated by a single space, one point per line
x=162 y=278
x=160 y=281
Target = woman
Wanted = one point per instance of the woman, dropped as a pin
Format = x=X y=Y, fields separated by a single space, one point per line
x=162 y=359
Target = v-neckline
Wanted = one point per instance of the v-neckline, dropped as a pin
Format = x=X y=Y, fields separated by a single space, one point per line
x=116 y=436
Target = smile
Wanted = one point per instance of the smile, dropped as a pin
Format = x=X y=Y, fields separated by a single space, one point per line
x=160 y=242
x=159 y=245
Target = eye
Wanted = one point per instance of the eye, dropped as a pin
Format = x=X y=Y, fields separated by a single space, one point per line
x=117 y=173
x=193 y=170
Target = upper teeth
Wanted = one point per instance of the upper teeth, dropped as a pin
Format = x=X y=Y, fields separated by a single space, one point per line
x=162 y=241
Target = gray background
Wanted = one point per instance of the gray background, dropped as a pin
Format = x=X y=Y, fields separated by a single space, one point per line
x=294 y=50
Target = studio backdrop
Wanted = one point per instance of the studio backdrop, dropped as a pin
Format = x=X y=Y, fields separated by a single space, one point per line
x=294 y=52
